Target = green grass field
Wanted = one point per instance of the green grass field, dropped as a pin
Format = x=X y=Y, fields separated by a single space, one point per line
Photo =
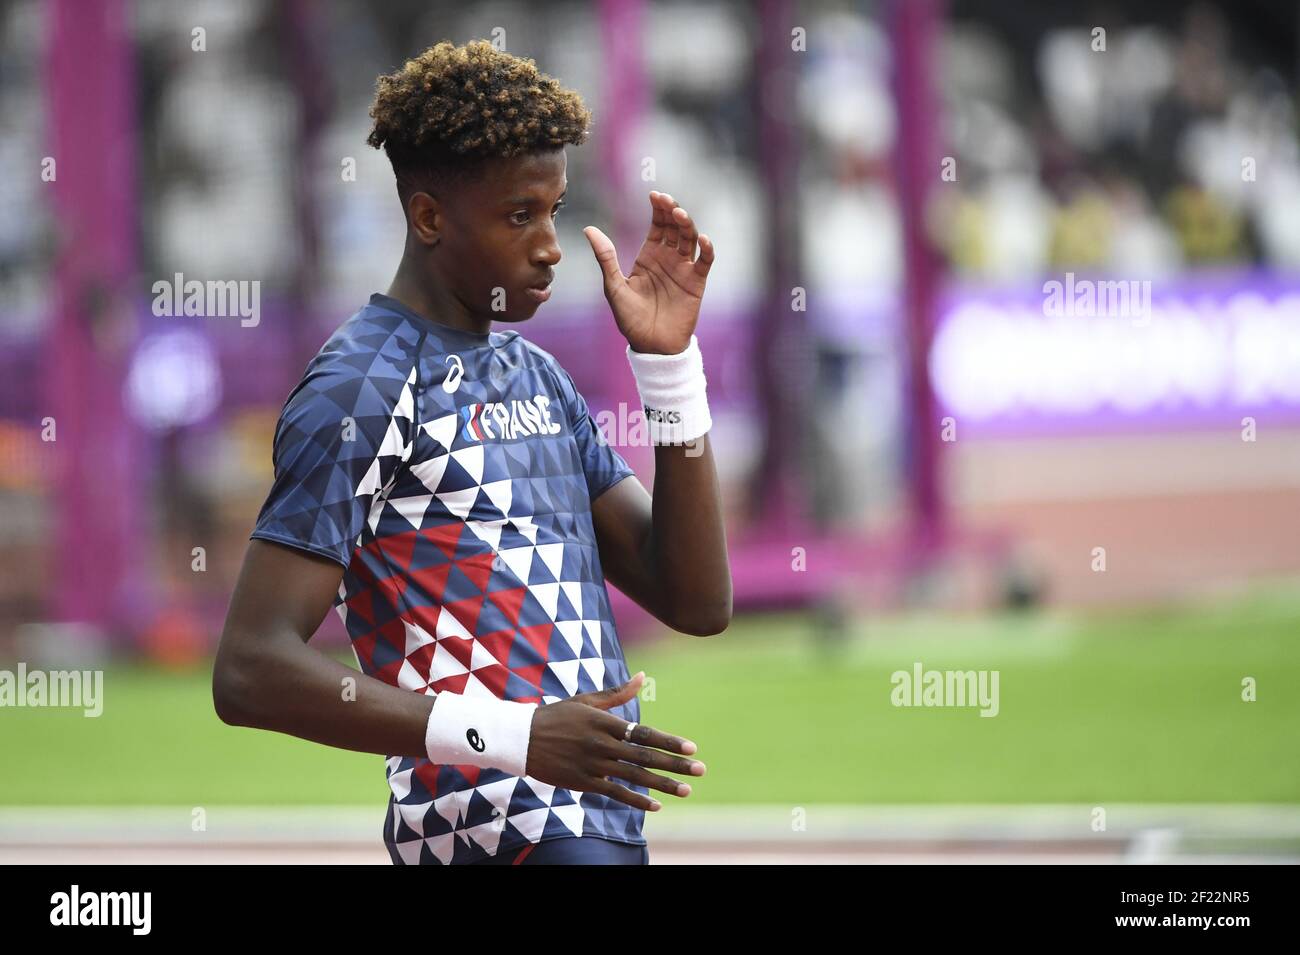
x=1100 y=708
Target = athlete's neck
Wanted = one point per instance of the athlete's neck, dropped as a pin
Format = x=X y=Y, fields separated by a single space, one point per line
x=431 y=299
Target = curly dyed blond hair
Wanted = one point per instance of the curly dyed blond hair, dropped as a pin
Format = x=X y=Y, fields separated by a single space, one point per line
x=452 y=107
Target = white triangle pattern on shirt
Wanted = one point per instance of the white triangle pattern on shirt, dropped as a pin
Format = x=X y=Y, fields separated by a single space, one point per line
x=392 y=446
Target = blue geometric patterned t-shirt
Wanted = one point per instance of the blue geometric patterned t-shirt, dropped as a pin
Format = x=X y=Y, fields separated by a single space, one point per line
x=452 y=474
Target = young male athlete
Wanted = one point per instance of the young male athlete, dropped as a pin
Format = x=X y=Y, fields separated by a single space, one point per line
x=444 y=486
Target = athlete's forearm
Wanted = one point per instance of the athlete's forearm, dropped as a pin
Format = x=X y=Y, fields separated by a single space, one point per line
x=687 y=544
x=299 y=691
x=284 y=685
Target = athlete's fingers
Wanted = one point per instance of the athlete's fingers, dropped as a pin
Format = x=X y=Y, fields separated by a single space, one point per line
x=644 y=756
x=606 y=257
x=649 y=736
x=658 y=219
x=705 y=261
x=614 y=791
x=687 y=233
x=671 y=231
x=638 y=776
x=614 y=696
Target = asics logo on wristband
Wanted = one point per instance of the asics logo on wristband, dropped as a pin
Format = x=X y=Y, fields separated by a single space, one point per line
x=475 y=741
x=664 y=417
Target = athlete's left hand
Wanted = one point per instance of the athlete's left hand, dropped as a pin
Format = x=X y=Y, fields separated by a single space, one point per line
x=657 y=306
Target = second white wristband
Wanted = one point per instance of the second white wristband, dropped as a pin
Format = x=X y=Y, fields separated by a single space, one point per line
x=479 y=731
x=673 y=393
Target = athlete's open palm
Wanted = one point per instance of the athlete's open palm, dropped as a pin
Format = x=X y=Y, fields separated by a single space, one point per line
x=576 y=744
x=657 y=306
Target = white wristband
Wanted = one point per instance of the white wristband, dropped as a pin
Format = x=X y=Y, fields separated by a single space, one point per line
x=672 y=389
x=479 y=731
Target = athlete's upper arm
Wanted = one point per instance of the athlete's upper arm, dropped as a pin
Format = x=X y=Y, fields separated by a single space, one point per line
x=280 y=599
x=281 y=589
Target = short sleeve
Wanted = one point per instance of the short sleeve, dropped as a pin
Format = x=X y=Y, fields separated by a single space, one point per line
x=340 y=439
x=601 y=464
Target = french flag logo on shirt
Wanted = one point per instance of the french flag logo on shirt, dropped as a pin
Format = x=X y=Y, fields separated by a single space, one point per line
x=509 y=420
x=473 y=431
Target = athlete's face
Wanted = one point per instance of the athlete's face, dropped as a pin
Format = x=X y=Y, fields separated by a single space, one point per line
x=498 y=245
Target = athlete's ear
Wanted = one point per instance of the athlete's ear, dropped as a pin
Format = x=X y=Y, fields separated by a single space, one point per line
x=424 y=213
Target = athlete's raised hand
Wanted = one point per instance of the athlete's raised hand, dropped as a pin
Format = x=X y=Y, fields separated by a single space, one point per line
x=657 y=306
x=576 y=744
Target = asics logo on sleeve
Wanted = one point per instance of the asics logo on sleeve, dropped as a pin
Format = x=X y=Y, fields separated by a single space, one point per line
x=452 y=381
x=507 y=420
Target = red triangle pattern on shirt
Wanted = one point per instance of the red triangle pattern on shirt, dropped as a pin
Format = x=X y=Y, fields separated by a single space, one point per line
x=453 y=684
x=461 y=649
x=539 y=638
x=466 y=611
x=362 y=604
x=399 y=549
x=510 y=602
x=432 y=580
x=426 y=618
x=393 y=633
x=393 y=588
x=364 y=647
x=445 y=536
x=494 y=677
x=388 y=672
x=498 y=644
x=427 y=773
x=478 y=568
x=422 y=658
x=469 y=772
x=532 y=675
